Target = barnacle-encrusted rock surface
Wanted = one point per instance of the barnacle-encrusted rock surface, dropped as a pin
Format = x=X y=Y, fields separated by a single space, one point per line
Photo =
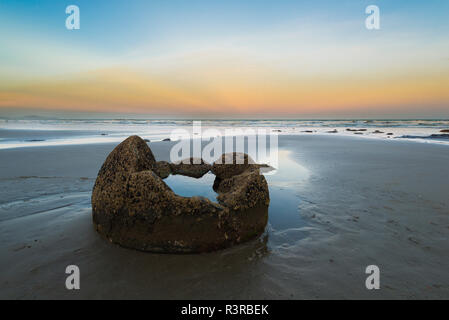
x=162 y=169
x=132 y=206
x=231 y=164
x=192 y=167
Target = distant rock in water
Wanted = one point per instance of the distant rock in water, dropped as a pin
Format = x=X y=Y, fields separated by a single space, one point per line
x=166 y=139
x=445 y=130
x=349 y=129
x=377 y=131
x=443 y=136
x=133 y=207
x=333 y=131
x=439 y=136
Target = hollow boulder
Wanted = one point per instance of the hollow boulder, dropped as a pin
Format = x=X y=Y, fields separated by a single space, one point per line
x=133 y=207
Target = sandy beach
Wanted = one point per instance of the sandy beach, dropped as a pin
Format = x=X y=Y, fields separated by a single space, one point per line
x=338 y=204
x=225 y=150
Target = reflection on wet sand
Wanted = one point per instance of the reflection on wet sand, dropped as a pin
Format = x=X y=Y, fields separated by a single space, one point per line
x=285 y=225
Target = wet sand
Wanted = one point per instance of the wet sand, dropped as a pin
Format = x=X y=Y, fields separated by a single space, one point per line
x=357 y=202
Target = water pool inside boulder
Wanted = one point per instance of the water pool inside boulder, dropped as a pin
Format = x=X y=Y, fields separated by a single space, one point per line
x=285 y=223
x=189 y=187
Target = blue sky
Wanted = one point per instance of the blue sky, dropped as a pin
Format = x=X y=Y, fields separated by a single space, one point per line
x=195 y=49
x=116 y=25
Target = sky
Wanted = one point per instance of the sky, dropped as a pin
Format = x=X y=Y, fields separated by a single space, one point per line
x=230 y=59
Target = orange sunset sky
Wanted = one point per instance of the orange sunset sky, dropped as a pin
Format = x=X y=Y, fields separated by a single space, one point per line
x=227 y=59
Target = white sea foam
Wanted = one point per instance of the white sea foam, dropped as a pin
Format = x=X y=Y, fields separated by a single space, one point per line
x=33 y=133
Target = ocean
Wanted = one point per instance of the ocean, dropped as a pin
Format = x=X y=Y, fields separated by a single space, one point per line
x=44 y=132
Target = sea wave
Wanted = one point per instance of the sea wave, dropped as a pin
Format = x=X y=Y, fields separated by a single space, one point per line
x=53 y=132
